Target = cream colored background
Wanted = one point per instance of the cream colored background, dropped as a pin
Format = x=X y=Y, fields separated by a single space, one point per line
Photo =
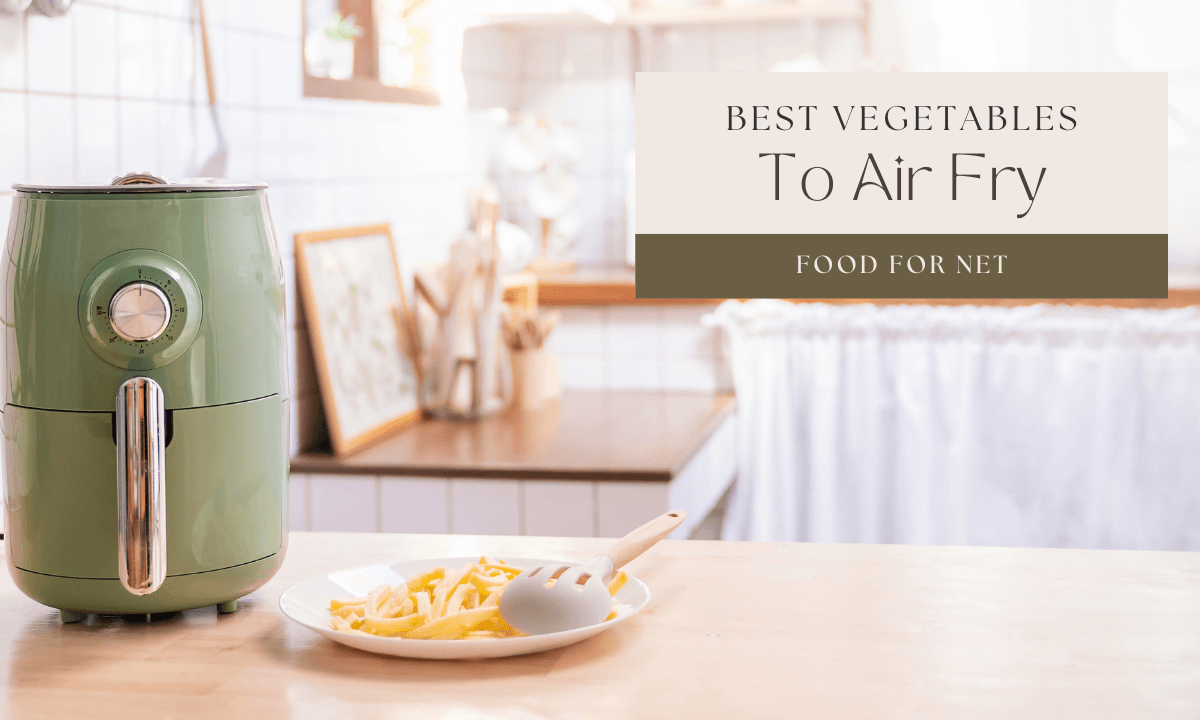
x=1107 y=176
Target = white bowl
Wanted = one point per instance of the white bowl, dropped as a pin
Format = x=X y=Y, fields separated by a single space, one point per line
x=308 y=604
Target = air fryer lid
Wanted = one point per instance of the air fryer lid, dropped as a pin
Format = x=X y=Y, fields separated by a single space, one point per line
x=145 y=183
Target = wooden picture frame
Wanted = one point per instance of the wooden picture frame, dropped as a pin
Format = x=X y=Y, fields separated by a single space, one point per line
x=349 y=282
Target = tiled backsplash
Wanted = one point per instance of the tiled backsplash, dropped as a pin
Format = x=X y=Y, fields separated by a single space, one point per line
x=118 y=86
x=113 y=87
x=640 y=348
x=583 y=78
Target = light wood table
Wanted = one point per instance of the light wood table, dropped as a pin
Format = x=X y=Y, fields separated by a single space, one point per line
x=734 y=630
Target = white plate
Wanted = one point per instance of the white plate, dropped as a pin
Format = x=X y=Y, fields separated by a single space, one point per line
x=308 y=604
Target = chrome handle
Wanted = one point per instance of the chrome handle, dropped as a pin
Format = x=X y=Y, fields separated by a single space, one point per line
x=141 y=486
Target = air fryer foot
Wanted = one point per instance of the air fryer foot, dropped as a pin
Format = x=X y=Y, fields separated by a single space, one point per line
x=229 y=606
x=69 y=616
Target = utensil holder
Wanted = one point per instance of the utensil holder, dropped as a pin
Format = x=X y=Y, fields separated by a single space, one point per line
x=529 y=378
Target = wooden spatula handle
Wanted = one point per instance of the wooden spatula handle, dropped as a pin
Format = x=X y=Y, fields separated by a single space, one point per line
x=641 y=540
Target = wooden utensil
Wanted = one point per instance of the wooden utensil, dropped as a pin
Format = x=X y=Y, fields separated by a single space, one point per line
x=527 y=331
x=214 y=166
x=579 y=596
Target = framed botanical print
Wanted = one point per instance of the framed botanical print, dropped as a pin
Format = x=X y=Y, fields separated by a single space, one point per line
x=350 y=287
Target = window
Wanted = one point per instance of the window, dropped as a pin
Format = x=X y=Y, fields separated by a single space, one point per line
x=366 y=50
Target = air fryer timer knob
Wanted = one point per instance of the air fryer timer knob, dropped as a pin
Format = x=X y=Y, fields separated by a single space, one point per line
x=139 y=312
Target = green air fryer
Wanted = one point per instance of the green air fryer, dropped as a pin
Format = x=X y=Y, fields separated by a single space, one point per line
x=145 y=415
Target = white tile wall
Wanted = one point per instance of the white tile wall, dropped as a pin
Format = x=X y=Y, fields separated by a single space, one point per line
x=118 y=86
x=137 y=74
x=137 y=136
x=12 y=154
x=640 y=347
x=89 y=96
x=12 y=69
x=96 y=50
x=96 y=118
x=583 y=78
x=634 y=372
x=50 y=54
x=51 y=139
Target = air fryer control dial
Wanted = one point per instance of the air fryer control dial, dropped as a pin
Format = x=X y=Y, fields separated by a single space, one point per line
x=140 y=309
x=139 y=312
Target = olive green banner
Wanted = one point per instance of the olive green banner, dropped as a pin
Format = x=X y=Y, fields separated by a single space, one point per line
x=901 y=266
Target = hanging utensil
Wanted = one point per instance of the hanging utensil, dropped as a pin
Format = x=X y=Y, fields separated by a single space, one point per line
x=215 y=165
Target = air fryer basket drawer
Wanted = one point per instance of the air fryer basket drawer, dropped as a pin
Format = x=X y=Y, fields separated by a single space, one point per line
x=226 y=478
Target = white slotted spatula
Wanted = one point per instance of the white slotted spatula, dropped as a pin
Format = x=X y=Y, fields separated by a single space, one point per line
x=579 y=595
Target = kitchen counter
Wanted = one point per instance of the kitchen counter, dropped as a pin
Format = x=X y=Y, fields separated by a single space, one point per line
x=591 y=464
x=734 y=630
x=584 y=435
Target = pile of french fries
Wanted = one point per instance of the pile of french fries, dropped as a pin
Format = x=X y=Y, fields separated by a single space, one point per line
x=440 y=604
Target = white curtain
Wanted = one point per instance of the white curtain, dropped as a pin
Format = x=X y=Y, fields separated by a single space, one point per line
x=1047 y=426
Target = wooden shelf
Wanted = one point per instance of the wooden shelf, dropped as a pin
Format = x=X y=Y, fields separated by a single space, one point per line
x=599 y=287
x=715 y=14
x=763 y=12
x=370 y=90
x=364 y=84
x=616 y=287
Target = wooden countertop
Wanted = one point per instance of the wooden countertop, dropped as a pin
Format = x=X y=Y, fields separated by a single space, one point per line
x=582 y=436
x=734 y=630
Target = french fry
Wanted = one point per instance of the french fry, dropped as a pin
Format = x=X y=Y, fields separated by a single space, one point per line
x=338 y=604
x=445 y=588
x=377 y=598
x=454 y=625
x=455 y=603
x=424 y=604
x=418 y=582
x=615 y=585
x=391 y=626
x=486 y=583
x=391 y=608
x=440 y=604
x=348 y=612
x=504 y=568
